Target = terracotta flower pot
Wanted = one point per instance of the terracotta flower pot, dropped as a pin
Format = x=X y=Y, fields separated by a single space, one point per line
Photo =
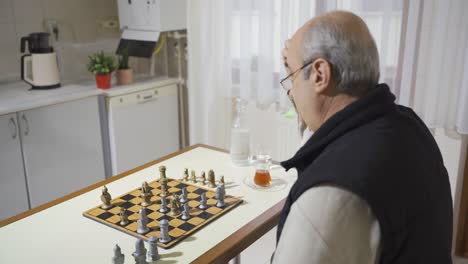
x=124 y=76
x=103 y=81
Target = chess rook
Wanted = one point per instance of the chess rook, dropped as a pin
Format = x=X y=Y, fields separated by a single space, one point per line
x=140 y=252
x=164 y=231
x=193 y=178
x=211 y=179
x=152 y=254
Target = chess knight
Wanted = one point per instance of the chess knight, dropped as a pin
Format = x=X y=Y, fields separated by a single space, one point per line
x=175 y=205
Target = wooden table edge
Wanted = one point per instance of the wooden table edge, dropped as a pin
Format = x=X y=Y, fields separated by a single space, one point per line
x=234 y=244
x=99 y=184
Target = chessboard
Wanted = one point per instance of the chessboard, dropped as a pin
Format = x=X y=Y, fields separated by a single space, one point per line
x=179 y=229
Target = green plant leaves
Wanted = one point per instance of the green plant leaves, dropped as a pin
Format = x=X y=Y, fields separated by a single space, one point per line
x=99 y=63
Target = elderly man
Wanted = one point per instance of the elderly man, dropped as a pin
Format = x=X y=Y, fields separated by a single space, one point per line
x=372 y=186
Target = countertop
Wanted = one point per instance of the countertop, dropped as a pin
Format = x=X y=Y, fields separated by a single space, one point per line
x=17 y=96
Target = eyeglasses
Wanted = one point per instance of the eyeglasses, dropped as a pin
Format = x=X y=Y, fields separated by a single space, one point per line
x=287 y=81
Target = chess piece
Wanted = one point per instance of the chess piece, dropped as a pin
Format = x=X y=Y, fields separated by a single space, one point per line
x=140 y=252
x=163 y=209
x=186 y=212
x=220 y=194
x=175 y=205
x=211 y=179
x=221 y=181
x=106 y=199
x=203 y=201
x=163 y=190
x=162 y=173
x=203 y=178
x=186 y=176
x=118 y=257
x=143 y=222
x=145 y=195
x=193 y=179
x=152 y=254
x=164 y=234
x=123 y=216
x=183 y=197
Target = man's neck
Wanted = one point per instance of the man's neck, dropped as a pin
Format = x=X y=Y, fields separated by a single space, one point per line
x=335 y=104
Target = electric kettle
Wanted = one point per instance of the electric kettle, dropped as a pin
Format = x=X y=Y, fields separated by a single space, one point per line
x=39 y=68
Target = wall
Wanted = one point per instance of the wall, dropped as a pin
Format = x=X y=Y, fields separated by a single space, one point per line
x=80 y=31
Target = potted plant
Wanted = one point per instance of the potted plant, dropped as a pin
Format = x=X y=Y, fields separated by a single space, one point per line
x=102 y=66
x=124 y=72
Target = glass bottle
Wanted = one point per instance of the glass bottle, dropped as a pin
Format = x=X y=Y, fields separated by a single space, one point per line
x=240 y=136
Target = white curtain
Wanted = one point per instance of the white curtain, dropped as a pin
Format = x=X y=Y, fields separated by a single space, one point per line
x=434 y=63
x=235 y=50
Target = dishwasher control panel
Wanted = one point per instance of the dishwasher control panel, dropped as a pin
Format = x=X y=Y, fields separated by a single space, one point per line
x=141 y=97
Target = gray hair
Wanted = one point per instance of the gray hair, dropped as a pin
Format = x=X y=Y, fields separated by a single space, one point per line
x=353 y=55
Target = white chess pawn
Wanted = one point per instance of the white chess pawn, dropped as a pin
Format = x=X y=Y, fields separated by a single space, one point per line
x=183 y=197
x=203 y=201
x=186 y=212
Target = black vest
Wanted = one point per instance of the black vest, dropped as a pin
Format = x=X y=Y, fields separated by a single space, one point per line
x=385 y=154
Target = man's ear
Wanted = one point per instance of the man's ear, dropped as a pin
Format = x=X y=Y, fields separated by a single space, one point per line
x=321 y=75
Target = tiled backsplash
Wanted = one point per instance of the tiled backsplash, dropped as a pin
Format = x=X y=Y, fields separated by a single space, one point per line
x=79 y=24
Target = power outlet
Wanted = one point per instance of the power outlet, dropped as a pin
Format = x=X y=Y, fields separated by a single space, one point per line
x=109 y=24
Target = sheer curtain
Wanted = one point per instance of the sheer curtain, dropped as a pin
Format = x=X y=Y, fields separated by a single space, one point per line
x=235 y=51
x=433 y=72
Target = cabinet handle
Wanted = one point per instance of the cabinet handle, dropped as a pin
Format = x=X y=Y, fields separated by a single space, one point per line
x=14 y=130
x=26 y=124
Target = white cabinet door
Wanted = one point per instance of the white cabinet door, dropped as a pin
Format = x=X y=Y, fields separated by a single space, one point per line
x=13 y=192
x=62 y=148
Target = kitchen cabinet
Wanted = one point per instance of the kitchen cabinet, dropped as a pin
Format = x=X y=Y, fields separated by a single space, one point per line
x=13 y=192
x=48 y=152
x=62 y=148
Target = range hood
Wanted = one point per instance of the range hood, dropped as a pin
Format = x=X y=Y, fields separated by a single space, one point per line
x=141 y=22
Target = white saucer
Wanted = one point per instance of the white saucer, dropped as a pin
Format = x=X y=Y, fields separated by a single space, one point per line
x=277 y=184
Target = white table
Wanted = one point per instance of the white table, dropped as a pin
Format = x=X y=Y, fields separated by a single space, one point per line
x=57 y=232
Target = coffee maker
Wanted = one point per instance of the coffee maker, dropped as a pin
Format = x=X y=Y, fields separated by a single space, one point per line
x=39 y=68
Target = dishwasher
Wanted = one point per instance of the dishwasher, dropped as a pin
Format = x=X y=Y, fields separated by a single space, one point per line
x=143 y=126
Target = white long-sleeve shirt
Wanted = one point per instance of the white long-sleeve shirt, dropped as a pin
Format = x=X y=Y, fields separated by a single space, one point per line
x=329 y=225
